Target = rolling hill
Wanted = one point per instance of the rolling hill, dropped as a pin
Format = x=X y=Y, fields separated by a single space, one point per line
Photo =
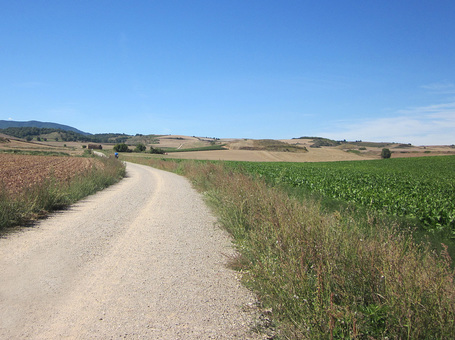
x=4 y=124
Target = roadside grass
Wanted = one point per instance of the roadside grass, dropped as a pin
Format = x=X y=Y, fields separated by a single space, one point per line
x=39 y=200
x=439 y=240
x=325 y=274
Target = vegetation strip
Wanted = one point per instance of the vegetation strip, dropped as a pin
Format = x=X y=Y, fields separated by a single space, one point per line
x=421 y=188
x=327 y=275
x=32 y=186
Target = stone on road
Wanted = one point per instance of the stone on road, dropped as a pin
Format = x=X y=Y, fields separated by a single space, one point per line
x=141 y=259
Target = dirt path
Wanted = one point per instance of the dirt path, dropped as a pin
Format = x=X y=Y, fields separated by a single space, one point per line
x=141 y=259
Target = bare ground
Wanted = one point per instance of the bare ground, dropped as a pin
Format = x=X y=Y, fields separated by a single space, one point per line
x=142 y=259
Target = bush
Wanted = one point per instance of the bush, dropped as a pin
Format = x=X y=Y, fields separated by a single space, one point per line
x=385 y=153
x=156 y=151
x=140 y=148
x=121 y=147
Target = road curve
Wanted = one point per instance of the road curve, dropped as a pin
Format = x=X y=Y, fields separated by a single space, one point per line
x=141 y=259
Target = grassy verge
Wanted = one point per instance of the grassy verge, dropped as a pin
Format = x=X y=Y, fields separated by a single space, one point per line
x=51 y=195
x=326 y=274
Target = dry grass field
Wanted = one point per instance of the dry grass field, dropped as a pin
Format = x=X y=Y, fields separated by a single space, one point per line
x=237 y=149
x=241 y=150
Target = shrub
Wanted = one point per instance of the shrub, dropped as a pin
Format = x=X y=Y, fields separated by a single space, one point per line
x=156 y=150
x=140 y=148
x=385 y=153
x=121 y=147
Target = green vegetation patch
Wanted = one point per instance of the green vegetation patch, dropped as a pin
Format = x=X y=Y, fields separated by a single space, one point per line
x=31 y=133
x=421 y=188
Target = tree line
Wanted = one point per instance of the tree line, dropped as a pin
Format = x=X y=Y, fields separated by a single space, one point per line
x=66 y=136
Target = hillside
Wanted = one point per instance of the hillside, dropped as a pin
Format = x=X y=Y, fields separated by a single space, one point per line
x=4 y=124
x=302 y=149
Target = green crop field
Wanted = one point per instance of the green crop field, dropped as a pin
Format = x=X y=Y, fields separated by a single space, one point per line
x=422 y=188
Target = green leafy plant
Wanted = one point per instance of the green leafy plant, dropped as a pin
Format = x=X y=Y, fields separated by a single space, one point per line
x=420 y=188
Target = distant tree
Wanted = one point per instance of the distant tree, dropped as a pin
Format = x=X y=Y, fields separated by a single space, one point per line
x=29 y=138
x=38 y=139
x=121 y=147
x=140 y=148
x=385 y=153
x=156 y=151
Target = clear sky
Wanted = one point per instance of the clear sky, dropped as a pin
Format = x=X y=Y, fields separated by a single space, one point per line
x=380 y=70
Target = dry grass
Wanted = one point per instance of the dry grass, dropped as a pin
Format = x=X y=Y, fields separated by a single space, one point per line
x=31 y=186
x=328 y=275
x=257 y=149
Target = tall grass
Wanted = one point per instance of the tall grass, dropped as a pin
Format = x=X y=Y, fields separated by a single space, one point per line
x=37 y=201
x=326 y=275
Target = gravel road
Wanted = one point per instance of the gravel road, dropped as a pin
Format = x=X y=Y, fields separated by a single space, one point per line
x=141 y=259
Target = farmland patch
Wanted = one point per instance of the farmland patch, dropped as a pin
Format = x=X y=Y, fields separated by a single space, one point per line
x=422 y=188
x=19 y=172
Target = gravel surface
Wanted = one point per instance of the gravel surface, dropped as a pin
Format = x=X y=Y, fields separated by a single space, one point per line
x=141 y=259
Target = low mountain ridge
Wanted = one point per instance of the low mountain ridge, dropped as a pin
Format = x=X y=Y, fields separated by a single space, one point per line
x=4 y=124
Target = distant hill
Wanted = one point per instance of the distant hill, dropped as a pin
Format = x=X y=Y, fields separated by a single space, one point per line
x=4 y=124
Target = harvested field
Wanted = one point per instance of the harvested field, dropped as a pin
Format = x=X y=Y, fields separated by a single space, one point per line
x=19 y=172
x=313 y=155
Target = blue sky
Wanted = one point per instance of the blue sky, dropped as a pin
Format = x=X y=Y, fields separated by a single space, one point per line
x=368 y=70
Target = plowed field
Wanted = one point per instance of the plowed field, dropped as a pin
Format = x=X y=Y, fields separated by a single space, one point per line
x=19 y=172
